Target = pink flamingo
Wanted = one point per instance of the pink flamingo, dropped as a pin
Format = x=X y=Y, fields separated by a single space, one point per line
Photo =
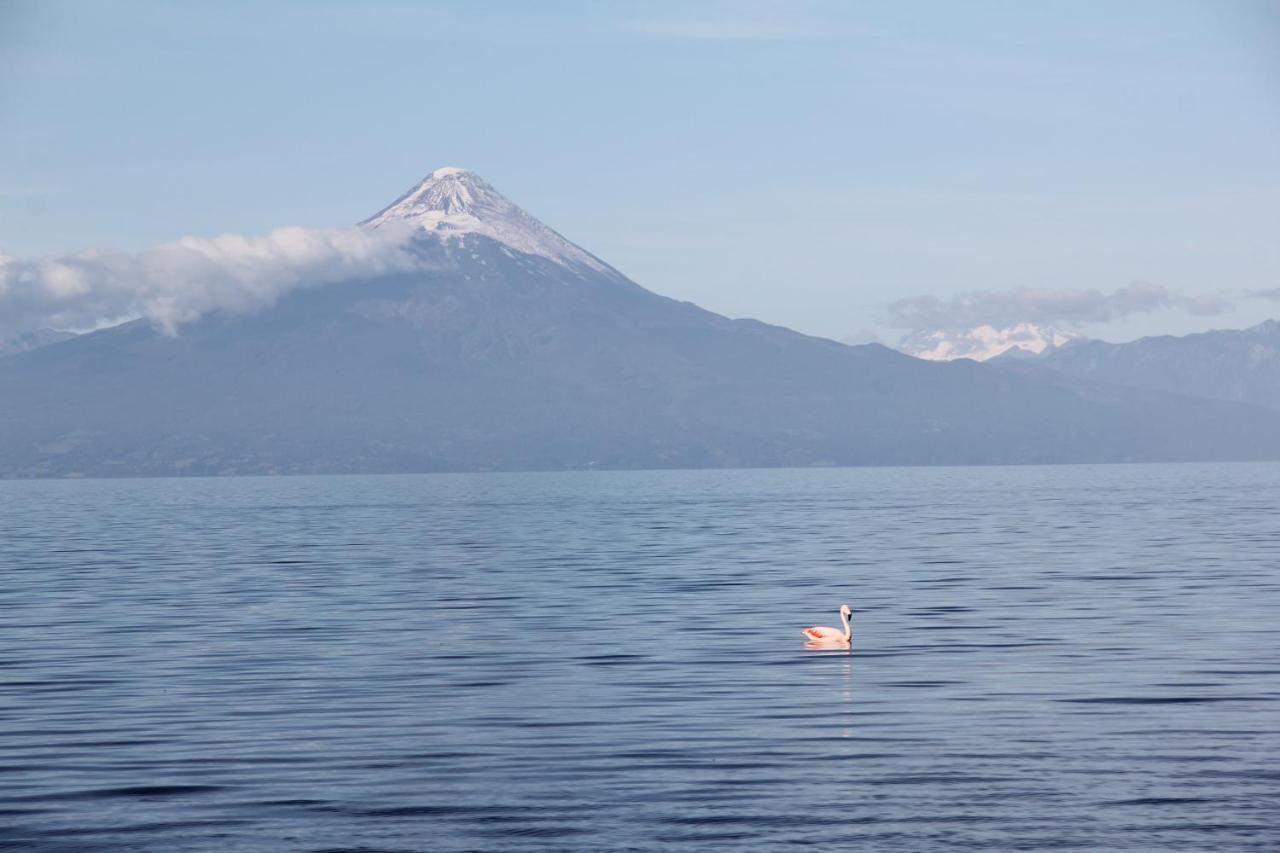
x=822 y=637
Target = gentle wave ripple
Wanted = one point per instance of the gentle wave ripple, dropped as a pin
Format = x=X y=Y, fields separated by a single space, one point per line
x=1044 y=658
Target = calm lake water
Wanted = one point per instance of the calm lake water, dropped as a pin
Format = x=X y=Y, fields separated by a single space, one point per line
x=1044 y=658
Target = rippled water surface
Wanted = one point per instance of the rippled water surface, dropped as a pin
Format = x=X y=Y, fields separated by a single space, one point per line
x=1044 y=658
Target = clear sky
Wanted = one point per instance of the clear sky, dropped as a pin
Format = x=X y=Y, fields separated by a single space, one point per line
x=806 y=163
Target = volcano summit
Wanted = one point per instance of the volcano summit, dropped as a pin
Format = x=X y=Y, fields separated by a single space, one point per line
x=453 y=203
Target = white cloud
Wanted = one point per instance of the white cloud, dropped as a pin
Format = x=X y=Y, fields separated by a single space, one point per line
x=1064 y=307
x=177 y=282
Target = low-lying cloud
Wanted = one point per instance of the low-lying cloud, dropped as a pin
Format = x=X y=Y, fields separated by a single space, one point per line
x=1063 y=307
x=177 y=282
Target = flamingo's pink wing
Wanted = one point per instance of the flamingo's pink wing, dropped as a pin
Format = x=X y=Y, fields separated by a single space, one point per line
x=822 y=632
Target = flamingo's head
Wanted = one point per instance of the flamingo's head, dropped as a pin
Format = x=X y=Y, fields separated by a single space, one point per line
x=845 y=611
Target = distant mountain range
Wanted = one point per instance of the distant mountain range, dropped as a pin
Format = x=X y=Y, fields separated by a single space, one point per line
x=512 y=348
x=32 y=340
x=1240 y=365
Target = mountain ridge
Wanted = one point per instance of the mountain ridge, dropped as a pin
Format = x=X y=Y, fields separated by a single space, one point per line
x=33 y=340
x=1238 y=365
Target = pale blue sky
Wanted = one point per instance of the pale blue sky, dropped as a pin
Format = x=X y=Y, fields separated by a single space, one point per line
x=805 y=163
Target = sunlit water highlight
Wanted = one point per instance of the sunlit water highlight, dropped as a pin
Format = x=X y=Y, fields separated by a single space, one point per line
x=1043 y=658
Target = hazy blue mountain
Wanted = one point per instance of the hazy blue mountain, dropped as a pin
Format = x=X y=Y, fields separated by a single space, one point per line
x=32 y=340
x=1242 y=365
x=516 y=349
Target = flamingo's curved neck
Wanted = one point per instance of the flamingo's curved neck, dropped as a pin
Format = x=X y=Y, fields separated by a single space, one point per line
x=848 y=632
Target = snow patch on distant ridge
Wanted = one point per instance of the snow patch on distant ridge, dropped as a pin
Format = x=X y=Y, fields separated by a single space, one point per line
x=983 y=342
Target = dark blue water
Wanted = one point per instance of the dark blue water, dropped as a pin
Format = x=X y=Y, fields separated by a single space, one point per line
x=1044 y=658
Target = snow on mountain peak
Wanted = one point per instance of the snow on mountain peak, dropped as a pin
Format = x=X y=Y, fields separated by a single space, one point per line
x=983 y=342
x=451 y=203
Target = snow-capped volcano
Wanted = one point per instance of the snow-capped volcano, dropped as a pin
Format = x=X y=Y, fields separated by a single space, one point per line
x=983 y=342
x=452 y=203
x=509 y=348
